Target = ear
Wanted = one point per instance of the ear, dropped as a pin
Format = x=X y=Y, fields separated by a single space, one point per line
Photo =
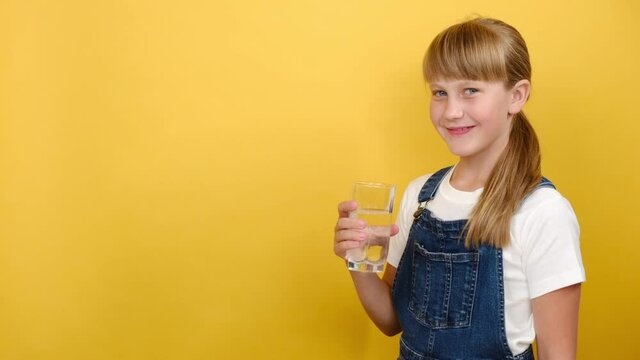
x=519 y=96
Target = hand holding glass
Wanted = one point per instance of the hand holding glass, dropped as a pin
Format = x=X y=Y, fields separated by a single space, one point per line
x=375 y=206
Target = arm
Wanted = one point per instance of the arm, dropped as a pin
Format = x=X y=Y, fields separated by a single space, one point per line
x=554 y=271
x=374 y=293
x=375 y=296
x=555 y=318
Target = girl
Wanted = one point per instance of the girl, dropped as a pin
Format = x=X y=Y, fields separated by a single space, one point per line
x=485 y=257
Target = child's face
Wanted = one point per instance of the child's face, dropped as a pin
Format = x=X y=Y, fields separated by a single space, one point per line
x=472 y=117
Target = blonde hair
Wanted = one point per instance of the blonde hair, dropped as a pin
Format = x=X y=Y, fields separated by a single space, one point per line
x=491 y=50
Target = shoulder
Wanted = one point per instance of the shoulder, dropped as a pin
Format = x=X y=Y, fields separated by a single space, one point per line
x=545 y=204
x=417 y=183
x=413 y=189
x=545 y=220
x=409 y=201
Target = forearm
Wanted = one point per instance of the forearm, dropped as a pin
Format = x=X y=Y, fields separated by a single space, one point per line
x=563 y=347
x=542 y=355
x=555 y=316
x=375 y=296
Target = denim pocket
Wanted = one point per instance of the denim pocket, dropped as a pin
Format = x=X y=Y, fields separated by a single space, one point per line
x=443 y=287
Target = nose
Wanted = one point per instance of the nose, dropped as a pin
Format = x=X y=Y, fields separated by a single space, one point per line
x=454 y=109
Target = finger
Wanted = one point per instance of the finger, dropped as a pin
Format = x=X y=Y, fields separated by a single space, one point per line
x=345 y=207
x=350 y=235
x=379 y=236
x=347 y=223
x=341 y=248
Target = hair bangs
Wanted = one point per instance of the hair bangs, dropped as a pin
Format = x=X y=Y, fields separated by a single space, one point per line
x=466 y=51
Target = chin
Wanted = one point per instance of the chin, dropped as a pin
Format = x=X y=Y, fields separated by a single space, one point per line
x=461 y=151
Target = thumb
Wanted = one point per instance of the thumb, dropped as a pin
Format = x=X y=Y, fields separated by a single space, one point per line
x=394 y=229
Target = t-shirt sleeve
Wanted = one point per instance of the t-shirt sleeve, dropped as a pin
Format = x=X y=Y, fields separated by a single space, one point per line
x=404 y=220
x=551 y=248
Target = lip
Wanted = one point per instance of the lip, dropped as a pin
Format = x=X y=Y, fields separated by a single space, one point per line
x=459 y=130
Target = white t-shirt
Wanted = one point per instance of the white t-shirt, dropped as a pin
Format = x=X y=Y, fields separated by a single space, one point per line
x=544 y=254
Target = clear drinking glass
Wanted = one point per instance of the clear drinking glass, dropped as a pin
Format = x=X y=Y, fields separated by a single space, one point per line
x=375 y=206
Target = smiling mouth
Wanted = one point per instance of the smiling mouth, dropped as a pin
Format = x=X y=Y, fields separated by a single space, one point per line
x=459 y=130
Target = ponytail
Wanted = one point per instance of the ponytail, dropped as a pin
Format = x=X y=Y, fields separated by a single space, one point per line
x=515 y=175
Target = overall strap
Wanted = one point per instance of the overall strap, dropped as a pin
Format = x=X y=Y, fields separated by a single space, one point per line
x=429 y=189
x=544 y=182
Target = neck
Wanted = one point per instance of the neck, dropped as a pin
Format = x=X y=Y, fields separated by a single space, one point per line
x=472 y=173
x=468 y=177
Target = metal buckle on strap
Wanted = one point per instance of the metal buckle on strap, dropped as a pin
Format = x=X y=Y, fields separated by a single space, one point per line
x=419 y=211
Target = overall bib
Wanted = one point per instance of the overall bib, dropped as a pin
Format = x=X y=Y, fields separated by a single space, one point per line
x=449 y=299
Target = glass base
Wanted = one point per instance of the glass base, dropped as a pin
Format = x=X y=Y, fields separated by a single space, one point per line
x=363 y=266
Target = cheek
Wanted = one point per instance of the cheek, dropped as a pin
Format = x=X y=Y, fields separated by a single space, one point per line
x=492 y=114
x=435 y=112
x=501 y=108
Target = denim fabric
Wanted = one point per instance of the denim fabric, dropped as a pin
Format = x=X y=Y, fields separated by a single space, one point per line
x=449 y=298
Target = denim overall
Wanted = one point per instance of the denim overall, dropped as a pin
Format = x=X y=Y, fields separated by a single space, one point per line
x=449 y=299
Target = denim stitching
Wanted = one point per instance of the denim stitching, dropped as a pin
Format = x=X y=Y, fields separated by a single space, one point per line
x=402 y=258
x=432 y=341
x=414 y=354
x=503 y=332
x=447 y=289
x=525 y=355
x=474 y=274
x=418 y=302
x=414 y=265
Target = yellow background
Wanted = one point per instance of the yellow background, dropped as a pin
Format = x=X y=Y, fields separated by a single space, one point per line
x=169 y=171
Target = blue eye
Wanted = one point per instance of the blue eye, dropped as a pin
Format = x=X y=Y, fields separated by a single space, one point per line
x=439 y=93
x=470 y=91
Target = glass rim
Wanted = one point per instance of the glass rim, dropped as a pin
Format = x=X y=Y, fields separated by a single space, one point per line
x=374 y=184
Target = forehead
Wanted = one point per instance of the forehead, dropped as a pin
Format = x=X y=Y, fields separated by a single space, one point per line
x=462 y=83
